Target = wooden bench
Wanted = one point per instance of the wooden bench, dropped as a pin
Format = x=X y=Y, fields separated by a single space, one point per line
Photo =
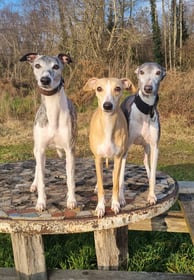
x=26 y=226
x=10 y=274
x=186 y=200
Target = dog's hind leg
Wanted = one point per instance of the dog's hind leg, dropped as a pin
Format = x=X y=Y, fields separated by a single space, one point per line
x=70 y=170
x=146 y=159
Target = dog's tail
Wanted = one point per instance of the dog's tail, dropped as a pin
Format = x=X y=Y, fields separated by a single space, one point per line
x=60 y=153
x=107 y=163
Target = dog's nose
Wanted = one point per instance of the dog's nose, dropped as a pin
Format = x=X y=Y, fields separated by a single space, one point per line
x=108 y=106
x=45 y=81
x=148 y=88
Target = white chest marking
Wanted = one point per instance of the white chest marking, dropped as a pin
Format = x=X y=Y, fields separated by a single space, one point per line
x=108 y=148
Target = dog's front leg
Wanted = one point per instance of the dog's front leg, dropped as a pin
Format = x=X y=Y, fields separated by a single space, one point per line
x=38 y=183
x=100 y=209
x=115 y=195
x=152 y=180
x=70 y=170
x=121 y=182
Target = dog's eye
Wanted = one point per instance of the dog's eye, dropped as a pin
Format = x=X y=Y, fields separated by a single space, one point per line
x=37 y=66
x=158 y=73
x=118 y=89
x=56 y=67
x=99 y=89
x=141 y=72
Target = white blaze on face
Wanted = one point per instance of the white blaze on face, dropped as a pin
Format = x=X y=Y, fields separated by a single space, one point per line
x=108 y=96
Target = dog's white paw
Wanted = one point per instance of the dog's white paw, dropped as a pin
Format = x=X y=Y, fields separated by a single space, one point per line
x=40 y=205
x=152 y=199
x=100 y=209
x=33 y=188
x=71 y=203
x=115 y=207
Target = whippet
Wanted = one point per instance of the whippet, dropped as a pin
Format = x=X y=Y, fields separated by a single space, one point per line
x=108 y=135
x=143 y=121
x=55 y=122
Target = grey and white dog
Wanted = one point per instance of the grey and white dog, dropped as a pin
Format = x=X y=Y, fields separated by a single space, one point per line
x=143 y=122
x=55 y=122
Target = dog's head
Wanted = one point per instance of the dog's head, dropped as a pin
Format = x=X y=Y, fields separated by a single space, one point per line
x=149 y=76
x=108 y=91
x=47 y=69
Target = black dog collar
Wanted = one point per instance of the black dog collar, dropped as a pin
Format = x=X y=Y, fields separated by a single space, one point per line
x=144 y=107
x=51 y=92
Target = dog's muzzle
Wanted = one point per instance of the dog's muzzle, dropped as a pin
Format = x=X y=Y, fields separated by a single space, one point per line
x=148 y=89
x=108 y=106
x=45 y=81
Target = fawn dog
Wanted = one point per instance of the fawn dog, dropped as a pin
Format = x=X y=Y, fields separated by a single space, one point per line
x=108 y=135
x=143 y=121
x=55 y=122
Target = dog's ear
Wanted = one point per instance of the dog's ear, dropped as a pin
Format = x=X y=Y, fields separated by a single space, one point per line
x=136 y=70
x=128 y=85
x=29 y=57
x=163 y=73
x=90 y=85
x=65 y=58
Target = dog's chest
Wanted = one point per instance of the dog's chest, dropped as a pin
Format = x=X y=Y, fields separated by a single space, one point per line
x=55 y=126
x=107 y=147
x=143 y=131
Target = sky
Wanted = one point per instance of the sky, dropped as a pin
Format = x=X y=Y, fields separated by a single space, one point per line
x=11 y=3
x=14 y=4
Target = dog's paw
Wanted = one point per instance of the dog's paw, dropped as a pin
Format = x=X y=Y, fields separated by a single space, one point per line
x=122 y=201
x=71 y=203
x=152 y=199
x=33 y=188
x=115 y=207
x=100 y=210
x=40 y=206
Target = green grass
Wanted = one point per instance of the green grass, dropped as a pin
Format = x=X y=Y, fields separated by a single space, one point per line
x=148 y=251
x=15 y=153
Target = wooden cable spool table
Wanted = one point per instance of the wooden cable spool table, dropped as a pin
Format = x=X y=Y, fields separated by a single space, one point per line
x=26 y=226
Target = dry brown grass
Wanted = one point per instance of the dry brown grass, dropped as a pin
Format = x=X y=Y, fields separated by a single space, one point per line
x=177 y=95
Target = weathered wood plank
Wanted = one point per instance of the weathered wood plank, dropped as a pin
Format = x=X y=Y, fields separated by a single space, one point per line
x=188 y=209
x=110 y=275
x=116 y=252
x=10 y=274
x=172 y=221
x=186 y=200
x=29 y=256
x=186 y=187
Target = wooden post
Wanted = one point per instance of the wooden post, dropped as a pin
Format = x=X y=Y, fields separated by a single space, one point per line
x=29 y=256
x=111 y=248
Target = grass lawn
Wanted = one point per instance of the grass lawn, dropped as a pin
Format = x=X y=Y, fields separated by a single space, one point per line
x=148 y=251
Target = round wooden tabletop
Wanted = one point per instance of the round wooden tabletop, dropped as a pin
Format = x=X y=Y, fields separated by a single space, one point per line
x=17 y=213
